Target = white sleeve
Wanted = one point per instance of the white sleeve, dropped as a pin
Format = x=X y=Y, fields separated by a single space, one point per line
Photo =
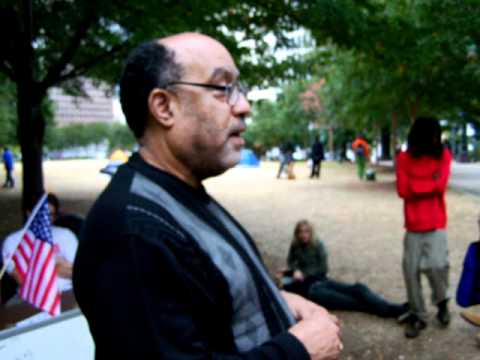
x=66 y=241
x=8 y=248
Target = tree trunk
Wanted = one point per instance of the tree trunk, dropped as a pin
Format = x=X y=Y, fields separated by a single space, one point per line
x=31 y=124
x=414 y=110
x=394 y=128
x=331 y=147
x=385 y=140
x=31 y=130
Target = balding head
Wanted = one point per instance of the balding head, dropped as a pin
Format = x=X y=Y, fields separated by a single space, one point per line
x=151 y=65
x=158 y=63
x=200 y=55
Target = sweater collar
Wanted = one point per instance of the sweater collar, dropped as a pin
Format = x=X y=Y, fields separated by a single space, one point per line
x=167 y=180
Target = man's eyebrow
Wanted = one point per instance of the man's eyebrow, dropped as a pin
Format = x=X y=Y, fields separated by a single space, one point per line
x=224 y=73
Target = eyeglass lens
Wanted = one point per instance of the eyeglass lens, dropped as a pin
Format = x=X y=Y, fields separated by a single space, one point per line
x=235 y=92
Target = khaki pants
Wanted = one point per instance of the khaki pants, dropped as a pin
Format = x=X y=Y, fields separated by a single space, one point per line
x=290 y=173
x=426 y=253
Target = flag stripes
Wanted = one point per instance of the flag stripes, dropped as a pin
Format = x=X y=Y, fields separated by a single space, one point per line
x=34 y=261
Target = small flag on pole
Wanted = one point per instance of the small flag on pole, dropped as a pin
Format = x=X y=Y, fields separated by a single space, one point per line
x=34 y=261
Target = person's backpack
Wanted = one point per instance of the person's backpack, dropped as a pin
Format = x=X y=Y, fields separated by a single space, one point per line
x=360 y=151
x=468 y=291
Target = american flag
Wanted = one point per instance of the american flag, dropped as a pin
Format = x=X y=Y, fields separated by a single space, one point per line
x=34 y=261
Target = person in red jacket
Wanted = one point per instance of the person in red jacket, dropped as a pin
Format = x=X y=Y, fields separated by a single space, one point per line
x=422 y=176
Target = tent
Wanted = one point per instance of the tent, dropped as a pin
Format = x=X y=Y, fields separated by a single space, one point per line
x=248 y=159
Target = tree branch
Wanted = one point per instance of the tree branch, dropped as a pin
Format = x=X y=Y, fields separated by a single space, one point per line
x=82 y=68
x=7 y=70
x=56 y=69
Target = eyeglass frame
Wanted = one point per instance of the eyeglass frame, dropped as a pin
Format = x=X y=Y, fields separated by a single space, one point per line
x=227 y=89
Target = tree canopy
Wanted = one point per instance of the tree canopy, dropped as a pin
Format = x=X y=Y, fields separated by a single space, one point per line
x=386 y=62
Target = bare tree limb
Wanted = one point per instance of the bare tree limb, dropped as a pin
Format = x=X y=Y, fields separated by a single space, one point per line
x=83 y=68
x=7 y=70
x=56 y=69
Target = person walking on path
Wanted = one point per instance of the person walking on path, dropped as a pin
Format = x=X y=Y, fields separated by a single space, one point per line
x=286 y=160
x=317 y=155
x=422 y=176
x=8 y=162
x=307 y=275
x=361 y=149
x=163 y=271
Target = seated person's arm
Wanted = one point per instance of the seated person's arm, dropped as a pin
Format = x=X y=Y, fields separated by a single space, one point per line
x=292 y=263
x=67 y=248
x=7 y=251
x=64 y=267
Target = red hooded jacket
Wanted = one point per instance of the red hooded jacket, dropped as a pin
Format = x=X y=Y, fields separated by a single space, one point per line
x=421 y=183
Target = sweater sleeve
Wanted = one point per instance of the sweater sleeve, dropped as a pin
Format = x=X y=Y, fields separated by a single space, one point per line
x=409 y=187
x=142 y=310
x=292 y=259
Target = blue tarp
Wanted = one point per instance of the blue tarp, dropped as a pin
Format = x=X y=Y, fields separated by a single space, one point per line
x=248 y=159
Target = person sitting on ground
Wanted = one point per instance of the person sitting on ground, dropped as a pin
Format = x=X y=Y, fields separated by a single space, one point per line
x=307 y=275
x=63 y=238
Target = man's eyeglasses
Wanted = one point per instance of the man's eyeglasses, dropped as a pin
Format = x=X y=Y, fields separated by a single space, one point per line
x=232 y=92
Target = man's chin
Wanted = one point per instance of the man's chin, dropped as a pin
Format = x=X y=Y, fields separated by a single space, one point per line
x=232 y=161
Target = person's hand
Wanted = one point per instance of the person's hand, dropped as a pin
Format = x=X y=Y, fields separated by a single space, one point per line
x=298 y=275
x=279 y=274
x=320 y=334
x=301 y=307
x=64 y=267
x=14 y=274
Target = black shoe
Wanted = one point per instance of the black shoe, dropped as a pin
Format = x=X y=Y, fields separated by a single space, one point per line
x=414 y=326
x=399 y=311
x=443 y=314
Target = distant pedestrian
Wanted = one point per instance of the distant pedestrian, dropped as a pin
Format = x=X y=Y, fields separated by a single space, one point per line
x=317 y=155
x=8 y=162
x=362 y=154
x=422 y=176
x=286 y=160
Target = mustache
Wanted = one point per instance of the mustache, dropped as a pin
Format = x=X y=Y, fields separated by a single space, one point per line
x=238 y=127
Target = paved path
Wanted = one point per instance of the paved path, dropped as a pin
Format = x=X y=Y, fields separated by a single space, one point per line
x=466 y=177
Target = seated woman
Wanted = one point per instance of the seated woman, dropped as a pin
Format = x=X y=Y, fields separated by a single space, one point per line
x=307 y=276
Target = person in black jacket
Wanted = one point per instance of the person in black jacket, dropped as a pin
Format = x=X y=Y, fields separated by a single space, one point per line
x=317 y=156
x=163 y=271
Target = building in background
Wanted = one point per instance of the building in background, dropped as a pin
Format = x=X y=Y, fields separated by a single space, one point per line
x=96 y=107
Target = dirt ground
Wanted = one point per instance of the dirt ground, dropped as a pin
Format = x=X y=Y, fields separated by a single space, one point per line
x=360 y=222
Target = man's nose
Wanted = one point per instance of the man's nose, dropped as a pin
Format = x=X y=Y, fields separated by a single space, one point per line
x=242 y=106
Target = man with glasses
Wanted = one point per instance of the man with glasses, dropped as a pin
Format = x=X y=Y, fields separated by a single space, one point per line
x=163 y=271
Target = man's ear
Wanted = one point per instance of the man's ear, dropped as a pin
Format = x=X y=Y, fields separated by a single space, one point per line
x=160 y=106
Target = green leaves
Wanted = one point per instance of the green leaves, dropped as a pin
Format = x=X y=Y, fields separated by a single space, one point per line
x=287 y=119
x=117 y=136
